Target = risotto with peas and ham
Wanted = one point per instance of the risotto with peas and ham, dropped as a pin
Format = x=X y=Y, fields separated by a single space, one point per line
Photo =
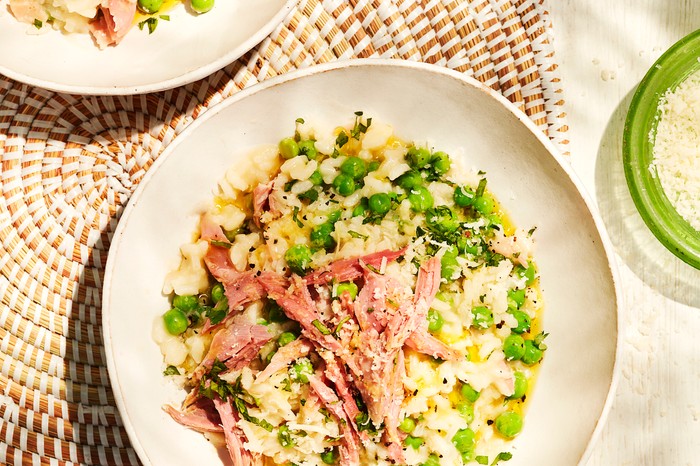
x=354 y=299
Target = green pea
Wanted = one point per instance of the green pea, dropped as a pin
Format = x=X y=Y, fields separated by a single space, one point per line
x=202 y=6
x=360 y=208
x=464 y=440
x=463 y=196
x=322 y=236
x=354 y=167
x=484 y=204
x=150 y=6
x=407 y=425
x=379 y=203
x=520 y=386
x=449 y=265
x=420 y=199
x=288 y=148
x=298 y=258
x=284 y=437
x=316 y=178
x=532 y=354
x=186 y=302
x=513 y=347
x=509 y=424
x=344 y=184
x=442 y=219
x=334 y=216
x=308 y=148
x=275 y=313
x=523 y=322
x=410 y=180
x=414 y=442
x=435 y=320
x=301 y=370
x=175 y=321
x=433 y=460
x=349 y=287
x=217 y=292
x=466 y=410
x=529 y=273
x=469 y=393
x=440 y=162
x=494 y=219
x=286 y=338
x=418 y=157
x=329 y=457
x=372 y=166
x=518 y=297
x=482 y=317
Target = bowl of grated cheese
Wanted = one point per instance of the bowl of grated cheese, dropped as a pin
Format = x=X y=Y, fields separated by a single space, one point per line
x=661 y=149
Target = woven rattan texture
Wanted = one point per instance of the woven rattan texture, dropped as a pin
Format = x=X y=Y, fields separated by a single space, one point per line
x=69 y=164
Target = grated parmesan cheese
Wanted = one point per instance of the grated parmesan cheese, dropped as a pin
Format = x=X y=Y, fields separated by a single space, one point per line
x=677 y=148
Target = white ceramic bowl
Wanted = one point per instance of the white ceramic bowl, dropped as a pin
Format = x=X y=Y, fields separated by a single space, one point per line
x=179 y=51
x=536 y=186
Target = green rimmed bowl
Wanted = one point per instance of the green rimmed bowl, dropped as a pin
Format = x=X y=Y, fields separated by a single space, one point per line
x=672 y=68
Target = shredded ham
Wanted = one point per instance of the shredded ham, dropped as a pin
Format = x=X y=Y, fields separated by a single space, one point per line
x=351 y=269
x=236 y=346
x=261 y=194
x=201 y=416
x=350 y=447
x=113 y=21
x=234 y=436
x=285 y=356
x=240 y=288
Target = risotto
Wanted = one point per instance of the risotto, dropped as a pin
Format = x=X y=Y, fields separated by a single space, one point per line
x=107 y=21
x=351 y=298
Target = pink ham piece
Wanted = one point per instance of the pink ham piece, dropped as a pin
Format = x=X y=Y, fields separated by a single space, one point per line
x=236 y=346
x=261 y=193
x=201 y=416
x=350 y=448
x=285 y=356
x=427 y=286
x=240 y=288
x=350 y=269
x=113 y=21
x=295 y=300
x=234 y=436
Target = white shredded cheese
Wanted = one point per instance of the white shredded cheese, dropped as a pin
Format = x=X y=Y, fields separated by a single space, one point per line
x=677 y=148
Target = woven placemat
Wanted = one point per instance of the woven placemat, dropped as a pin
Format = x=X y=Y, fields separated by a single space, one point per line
x=69 y=164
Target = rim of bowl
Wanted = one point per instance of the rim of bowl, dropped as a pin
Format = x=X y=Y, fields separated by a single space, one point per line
x=669 y=70
x=170 y=83
x=375 y=62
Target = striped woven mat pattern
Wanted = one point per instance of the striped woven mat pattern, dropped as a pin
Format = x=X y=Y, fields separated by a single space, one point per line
x=68 y=165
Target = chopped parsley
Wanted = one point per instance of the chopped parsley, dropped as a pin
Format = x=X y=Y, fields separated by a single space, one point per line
x=355 y=234
x=171 y=370
x=295 y=217
x=151 y=23
x=220 y=244
x=342 y=139
x=320 y=327
x=212 y=385
x=38 y=24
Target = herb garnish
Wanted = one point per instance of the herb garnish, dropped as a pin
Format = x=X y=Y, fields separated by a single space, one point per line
x=38 y=24
x=320 y=327
x=355 y=234
x=151 y=22
x=171 y=370
x=212 y=385
x=295 y=213
x=220 y=244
